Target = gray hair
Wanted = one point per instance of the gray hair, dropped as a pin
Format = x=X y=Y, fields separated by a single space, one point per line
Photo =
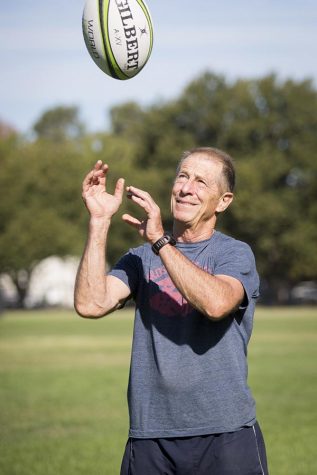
x=228 y=171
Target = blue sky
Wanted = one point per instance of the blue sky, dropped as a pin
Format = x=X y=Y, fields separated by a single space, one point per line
x=44 y=61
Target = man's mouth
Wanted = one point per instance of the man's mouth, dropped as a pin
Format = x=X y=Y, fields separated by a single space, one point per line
x=184 y=203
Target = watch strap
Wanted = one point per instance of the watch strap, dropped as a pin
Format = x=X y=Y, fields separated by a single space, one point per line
x=165 y=239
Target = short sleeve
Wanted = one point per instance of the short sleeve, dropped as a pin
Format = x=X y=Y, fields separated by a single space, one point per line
x=127 y=270
x=237 y=260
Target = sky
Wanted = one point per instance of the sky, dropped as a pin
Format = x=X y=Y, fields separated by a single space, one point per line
x=44 y=61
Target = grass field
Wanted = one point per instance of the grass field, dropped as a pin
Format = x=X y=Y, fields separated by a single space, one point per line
x=63 y=391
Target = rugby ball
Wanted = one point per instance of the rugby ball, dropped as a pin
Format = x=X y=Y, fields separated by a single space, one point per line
x=118 y=35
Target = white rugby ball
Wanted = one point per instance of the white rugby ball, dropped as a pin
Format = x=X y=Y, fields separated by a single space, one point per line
x=118 y=35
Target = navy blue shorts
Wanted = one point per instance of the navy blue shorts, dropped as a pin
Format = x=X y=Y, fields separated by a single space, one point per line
x=232 y=453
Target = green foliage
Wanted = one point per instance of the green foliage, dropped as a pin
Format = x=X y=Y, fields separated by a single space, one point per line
x=64 y=380
x=268 y=126
x=41 y=214
x=58 y=124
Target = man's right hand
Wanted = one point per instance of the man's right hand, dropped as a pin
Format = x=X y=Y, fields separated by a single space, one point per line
x=100 y=204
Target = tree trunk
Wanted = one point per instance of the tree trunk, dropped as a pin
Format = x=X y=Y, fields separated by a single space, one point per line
x=21 y=280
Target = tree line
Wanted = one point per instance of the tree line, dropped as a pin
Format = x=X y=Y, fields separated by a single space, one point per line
x=269 y=127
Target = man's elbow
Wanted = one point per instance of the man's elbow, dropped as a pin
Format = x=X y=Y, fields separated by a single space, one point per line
x=215 y=316
x=218 y=312
x=89 y=311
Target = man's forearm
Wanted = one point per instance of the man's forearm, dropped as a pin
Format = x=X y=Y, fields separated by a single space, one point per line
x=91 y=287
x=209 y=294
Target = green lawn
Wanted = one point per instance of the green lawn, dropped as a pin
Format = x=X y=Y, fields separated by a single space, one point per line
x=63 y=391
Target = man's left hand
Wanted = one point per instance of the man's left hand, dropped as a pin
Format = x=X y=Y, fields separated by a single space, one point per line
x=150 y=228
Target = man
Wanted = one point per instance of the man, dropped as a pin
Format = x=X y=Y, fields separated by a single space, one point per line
x=191 y=411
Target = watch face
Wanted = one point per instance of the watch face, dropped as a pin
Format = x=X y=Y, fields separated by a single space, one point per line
x=166 y=239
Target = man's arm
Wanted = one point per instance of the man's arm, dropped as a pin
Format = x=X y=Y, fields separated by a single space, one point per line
x=96 y=294
x=214 y=296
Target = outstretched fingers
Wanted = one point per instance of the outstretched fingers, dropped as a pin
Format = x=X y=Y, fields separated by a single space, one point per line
x=100 y=172
x=142 y=198
x=119 y=189
x=150 y=228
x=136 y=223
x=97 y=176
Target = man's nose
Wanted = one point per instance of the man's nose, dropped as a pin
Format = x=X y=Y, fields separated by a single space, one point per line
x=188 y=188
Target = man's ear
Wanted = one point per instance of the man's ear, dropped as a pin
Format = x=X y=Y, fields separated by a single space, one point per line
x=224 y=201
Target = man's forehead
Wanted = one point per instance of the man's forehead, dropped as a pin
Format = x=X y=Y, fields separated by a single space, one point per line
x=201 y=162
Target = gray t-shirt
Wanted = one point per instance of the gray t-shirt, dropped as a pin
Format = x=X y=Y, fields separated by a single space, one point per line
x=188 y=374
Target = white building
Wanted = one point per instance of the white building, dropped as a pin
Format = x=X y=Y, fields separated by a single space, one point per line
x=52 y=283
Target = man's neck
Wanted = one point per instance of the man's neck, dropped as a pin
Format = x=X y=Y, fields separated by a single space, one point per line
x=190 y=234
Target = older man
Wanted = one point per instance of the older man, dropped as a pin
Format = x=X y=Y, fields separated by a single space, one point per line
x=191 y=410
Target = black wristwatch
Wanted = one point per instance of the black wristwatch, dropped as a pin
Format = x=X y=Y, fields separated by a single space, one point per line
x=165 y=239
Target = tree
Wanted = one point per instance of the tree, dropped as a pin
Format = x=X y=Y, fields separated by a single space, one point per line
x=268 y=126
x=40 y=210
x=59 y=124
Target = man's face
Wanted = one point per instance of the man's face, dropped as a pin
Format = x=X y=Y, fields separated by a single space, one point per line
x=196 y=193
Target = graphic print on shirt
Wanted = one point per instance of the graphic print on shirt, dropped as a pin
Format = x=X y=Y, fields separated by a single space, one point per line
x=166 y=299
